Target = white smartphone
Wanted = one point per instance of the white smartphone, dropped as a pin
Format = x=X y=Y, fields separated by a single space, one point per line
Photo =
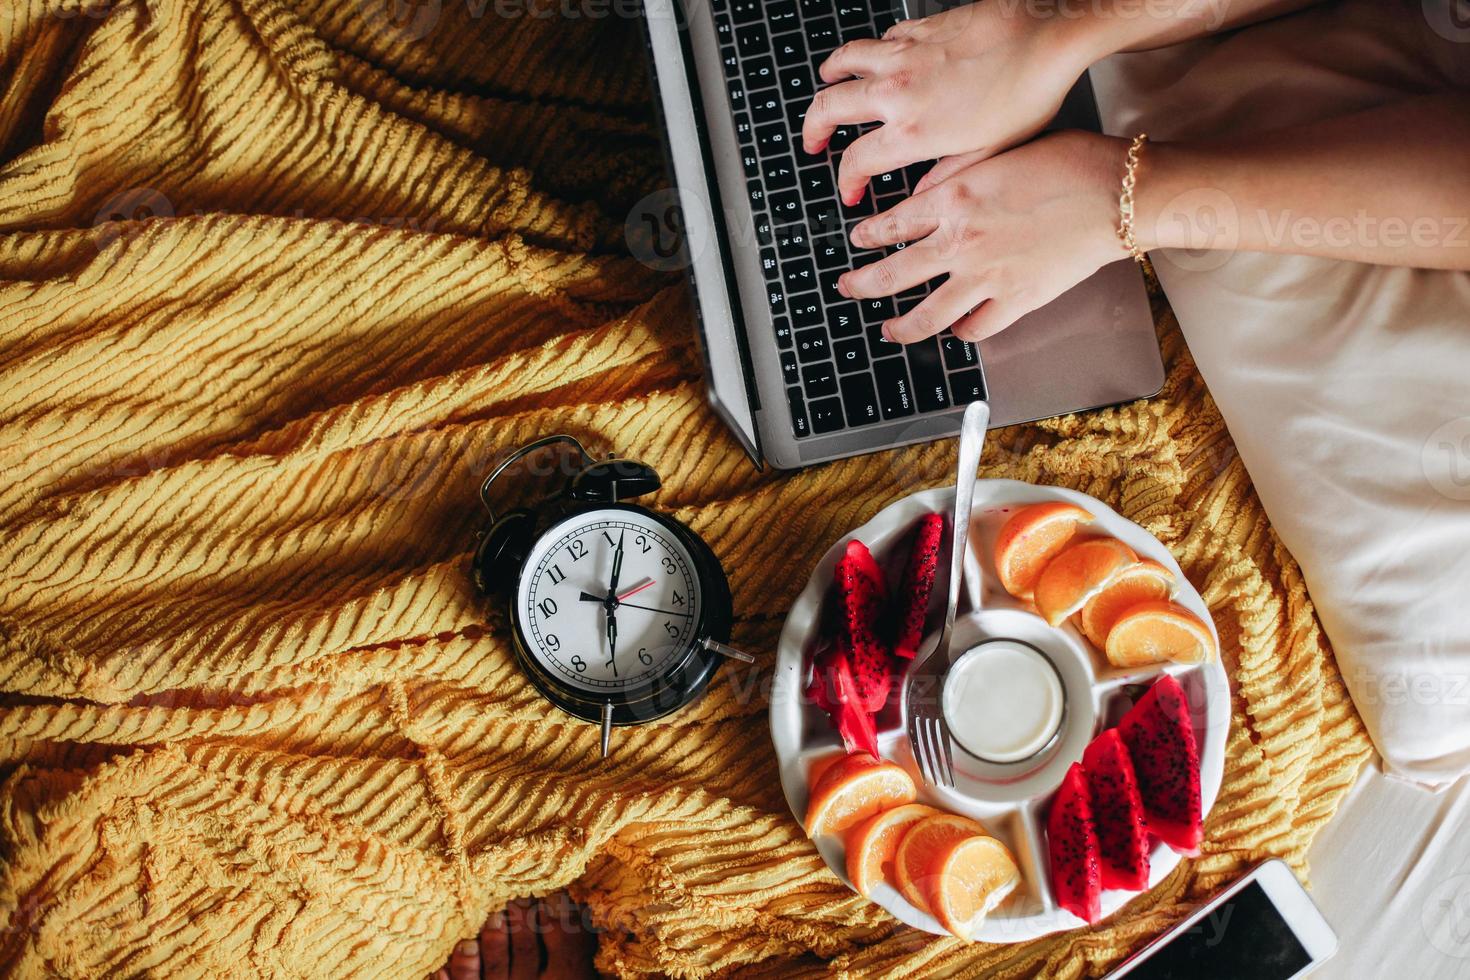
x=1264 y=927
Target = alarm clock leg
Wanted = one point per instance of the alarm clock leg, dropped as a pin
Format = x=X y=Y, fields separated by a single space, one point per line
x=607 y=712
x=725 y=650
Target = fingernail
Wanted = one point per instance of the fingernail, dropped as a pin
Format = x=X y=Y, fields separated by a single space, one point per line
x=468 y=947
x=842 y=287
x=857 y=233
x=814 y=150
x=852 y=199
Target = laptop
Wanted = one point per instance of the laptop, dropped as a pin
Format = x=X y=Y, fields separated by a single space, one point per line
x=800 y=374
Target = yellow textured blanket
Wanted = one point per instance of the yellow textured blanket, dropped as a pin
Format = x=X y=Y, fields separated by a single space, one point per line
x=277 y=280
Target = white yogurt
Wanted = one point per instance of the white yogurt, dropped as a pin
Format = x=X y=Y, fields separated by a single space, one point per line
x=1003 y=701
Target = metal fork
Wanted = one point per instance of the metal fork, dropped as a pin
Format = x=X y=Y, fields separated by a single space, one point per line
x=928 y=731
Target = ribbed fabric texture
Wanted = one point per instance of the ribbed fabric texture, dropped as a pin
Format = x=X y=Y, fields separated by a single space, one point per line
x=278 y=282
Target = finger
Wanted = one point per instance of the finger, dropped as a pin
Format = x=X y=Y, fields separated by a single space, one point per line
x=947 y=167
x=952 y=301
x=571 y=946
x=869 y=155
x=464 y=962
x=909 y=220
x=855 y=58
x=902 y=270
x=525 y=951
x=441 y=975
x=989 y=319
x=905 y=28
x=494 y=948
x=847 y=102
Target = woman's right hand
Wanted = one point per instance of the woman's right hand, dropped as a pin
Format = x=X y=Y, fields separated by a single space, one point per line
x=964 y=84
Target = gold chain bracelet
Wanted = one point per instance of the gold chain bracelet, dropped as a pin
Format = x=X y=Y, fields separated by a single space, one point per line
x=1125 y=199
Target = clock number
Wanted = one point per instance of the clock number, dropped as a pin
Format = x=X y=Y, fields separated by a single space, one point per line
x=669 y=565
x=642 y=542
x=678 y=599
x=673 y=630
x=579 y=663
x=610 y=541
x=556 y=575
x=552 y=641
x=547 y=606
x=645 y=656
x=578 y=550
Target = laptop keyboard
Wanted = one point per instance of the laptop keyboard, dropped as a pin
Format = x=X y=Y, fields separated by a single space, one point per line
x=838 y=370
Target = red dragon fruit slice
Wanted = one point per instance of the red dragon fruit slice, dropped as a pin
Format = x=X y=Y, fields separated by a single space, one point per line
x=918 y=583
x=863 y=593
x=1160 y=741
x=834 y=690
x=1117 y=809
x=1071 y=837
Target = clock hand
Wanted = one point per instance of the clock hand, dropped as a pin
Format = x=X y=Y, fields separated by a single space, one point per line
x=612 y=588
x=645 y=584
x=666 y=612
x=612 y=639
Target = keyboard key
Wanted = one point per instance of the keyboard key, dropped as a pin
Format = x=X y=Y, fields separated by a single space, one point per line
x=806 y=311
x=736 y=88
x=883 y=18
x=796 y=118
x=799 y=422
x=776 y=298
x=812 y=345
x=864 y=208
x=822 y=38
x=760 y=72
x=824 y=218
x=876 y=310
x=852 y=354
x=785 y=206
x=763 y=233
x=744 y=129
x=790 y=372
x=826 y=415
x=781 y=15
x=958 y=353
x=724 y=33
x=811 y=9
x=817 y=184
x=745 y=11
x=751 y=162
x=784 y=335
x=766 y=108
x=889 y=183
x=967 y=386
x=730 y=62
x=930 y=391
x=819 y=380
x=832 y=253
x=790 y=51
x=853 y=14
x=779 y=173
x=752 y=40
x=842 y=138
x=800 y=275
x=791 y=241
x=895 y=397
x=844 y=321
x=796 y=83
x=877 y=346
x=770 y=266
x=860 y=400
x=772 y=140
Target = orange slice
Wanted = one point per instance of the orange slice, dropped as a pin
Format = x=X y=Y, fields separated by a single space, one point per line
x=829 y=763
x=974 y=876
x=1082 y=570
x=1029 y=539
x=872 y=844
x=847 y=794
x=926 y=841
x=1151 y=632
x=1145 y=582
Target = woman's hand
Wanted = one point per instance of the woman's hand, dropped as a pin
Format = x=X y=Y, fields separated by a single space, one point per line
x=1012 y=233
x=971 y=81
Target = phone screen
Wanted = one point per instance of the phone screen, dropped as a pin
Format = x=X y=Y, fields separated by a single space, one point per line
x=1244 y=936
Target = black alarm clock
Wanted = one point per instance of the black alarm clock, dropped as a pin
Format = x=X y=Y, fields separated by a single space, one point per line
x=619 y=614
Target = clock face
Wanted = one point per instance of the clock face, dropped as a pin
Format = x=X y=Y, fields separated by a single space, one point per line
x=608 y=600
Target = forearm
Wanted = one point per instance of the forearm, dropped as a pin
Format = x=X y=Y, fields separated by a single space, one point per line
x=1093 y=29
x=1387 y=185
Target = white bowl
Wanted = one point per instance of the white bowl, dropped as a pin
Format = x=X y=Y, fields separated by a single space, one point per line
x=1010 y=800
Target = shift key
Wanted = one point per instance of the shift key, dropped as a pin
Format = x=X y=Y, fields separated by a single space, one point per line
x=930 y=391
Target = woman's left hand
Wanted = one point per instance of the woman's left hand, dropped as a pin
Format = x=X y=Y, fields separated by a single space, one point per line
x=1012 y=233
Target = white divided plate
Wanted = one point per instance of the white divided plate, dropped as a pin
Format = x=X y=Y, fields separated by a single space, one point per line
x=1013 y=809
